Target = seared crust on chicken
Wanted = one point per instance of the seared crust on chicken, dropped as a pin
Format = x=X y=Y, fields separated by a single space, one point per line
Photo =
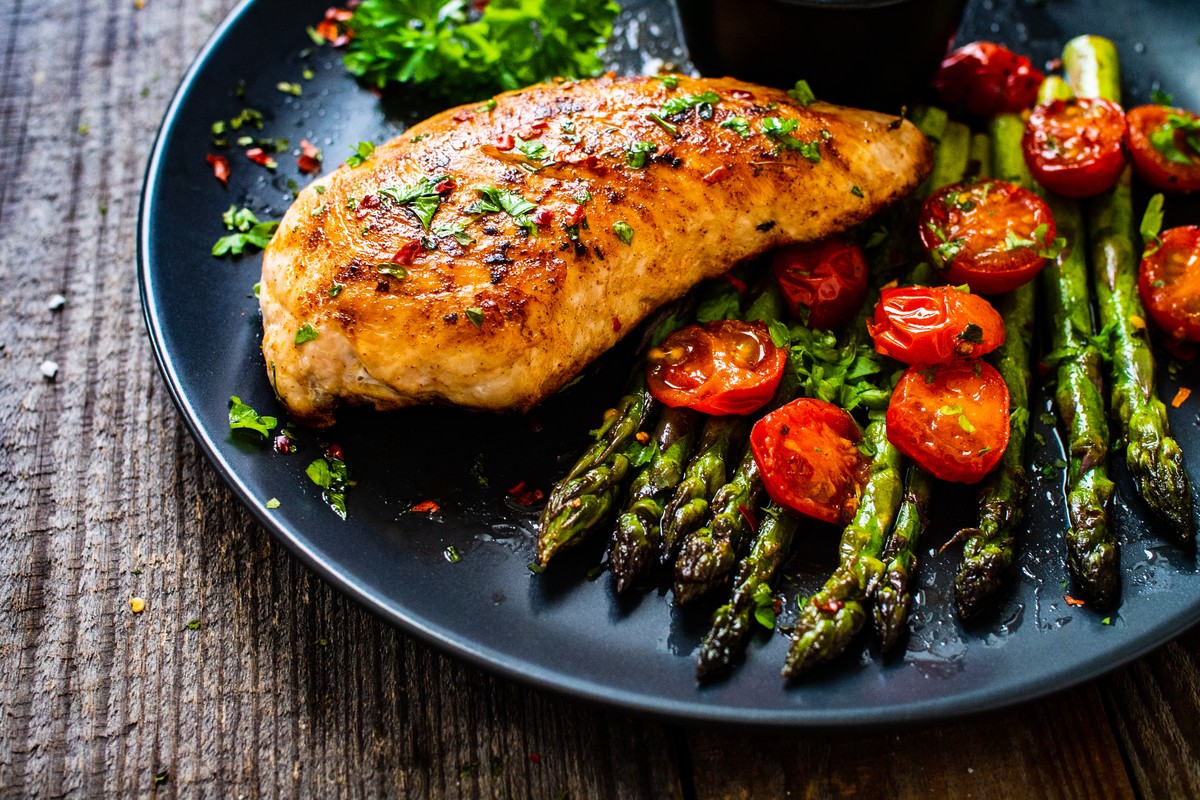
x=486 y=255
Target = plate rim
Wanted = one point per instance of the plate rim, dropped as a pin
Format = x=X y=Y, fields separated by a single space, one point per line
x=533 y=673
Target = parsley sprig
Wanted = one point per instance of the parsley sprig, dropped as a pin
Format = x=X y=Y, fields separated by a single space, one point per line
x=247 y=230
x=493 y=200
x=421 y=198
x=243 y=417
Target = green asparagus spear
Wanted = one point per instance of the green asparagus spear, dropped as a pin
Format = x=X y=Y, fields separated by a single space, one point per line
x=635 y=544
x=584 y=499
x=1092 y=554
x=831 y=617
x=1154 y=458
x=688 y=508
x=988 y=551
x=891 y=596
x=709 y=554
x=733 y=621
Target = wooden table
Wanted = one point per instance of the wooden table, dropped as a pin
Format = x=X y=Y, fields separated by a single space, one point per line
x=286 y=688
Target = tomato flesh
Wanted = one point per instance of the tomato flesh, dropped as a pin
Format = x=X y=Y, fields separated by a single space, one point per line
x=1073 y=147
x=807 y=452
x=1169 y=283
x=990 y=235
x=952 y=420
x=1160 y=150
x=920 y=325
x=987 y=78
x=723 y=367
x=827 y=281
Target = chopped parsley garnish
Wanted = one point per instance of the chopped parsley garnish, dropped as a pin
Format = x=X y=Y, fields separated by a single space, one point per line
x=802 y=94
x=293 y=89
x=361 y=152
x=475 y=315
x=669 y=81
x=662 y=123
x=738 y=125
x=247 y=230
x=703 y=103
x=495 y=201
x=273 y=503
x=780 y=131
x=456 y=232
x=395 y=270
x=452 y=555
x=535 y=151
x=306 y=334
x=331 y=475
x=856 y=190
x=421 y=198
x=624 y=231
x=764 y=606
x=972 y=333
x=1044 y=248
x=1161 y=98
x=1152 y=222
x=488 y=105
x=243 y=417
x=1165 y=139
x=336 y=289
x=637 y=153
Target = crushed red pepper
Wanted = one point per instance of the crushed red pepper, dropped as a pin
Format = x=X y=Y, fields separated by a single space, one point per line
x=220 y=167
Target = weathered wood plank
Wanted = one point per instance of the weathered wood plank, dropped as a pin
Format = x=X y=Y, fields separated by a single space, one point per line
x=1059 y=747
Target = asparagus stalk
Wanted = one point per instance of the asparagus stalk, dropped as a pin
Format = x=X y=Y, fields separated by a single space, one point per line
x=1092 y=555
x=830 y=618
x=585 y=497
x=891 y=596
x=733 y=621
x=988 y=551
x=1154 y=458
x=635 y=543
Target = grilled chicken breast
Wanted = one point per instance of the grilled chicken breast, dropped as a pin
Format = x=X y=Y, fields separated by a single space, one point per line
x=486 y=255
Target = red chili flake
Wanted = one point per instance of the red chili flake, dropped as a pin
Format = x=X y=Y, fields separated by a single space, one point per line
x=369 y=201
x=832 y=607
x=535 y=758
x=445 y=185
x=736 y=283
x=333 y=29
x=717 y=175
x=282 y=444
x=220 y=167
x=407 y=253
x=462 y=116
x=526 y=497
x=310 y=157
x=1071 y=601
x=616 y=323
x=741 y=94
x=748 y=515
x=543 y=216
x=573 y=214
x=504 y=141
x=260 y=156
x=334 y=451
x=777 y=605
x=425 y=507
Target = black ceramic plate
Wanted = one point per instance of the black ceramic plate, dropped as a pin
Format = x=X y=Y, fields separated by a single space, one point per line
x=561 y=630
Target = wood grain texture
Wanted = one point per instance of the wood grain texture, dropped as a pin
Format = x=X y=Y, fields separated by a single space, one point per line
x=285 y=688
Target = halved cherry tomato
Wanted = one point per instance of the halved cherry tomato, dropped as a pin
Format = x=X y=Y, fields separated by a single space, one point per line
x=952 y=419
x=920 y=325
x=828 y=278
x=987 y=78
x=1164 y=144
x=1169 y=283
x=990 y=235
x=723 y=367
x=1073 y=147
x=807 y=453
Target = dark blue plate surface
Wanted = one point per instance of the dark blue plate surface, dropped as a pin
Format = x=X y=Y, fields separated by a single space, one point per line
x=561 y=630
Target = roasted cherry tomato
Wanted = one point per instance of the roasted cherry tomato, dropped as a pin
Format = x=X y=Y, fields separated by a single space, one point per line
x=952 y=419
x=723 y=367
x=807 y=453
x=990 y=235
x=922 y=326
x=1073 y=147
x=828 y=278
x=987 y=78
x=1169 y=283
x=1164 y=145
